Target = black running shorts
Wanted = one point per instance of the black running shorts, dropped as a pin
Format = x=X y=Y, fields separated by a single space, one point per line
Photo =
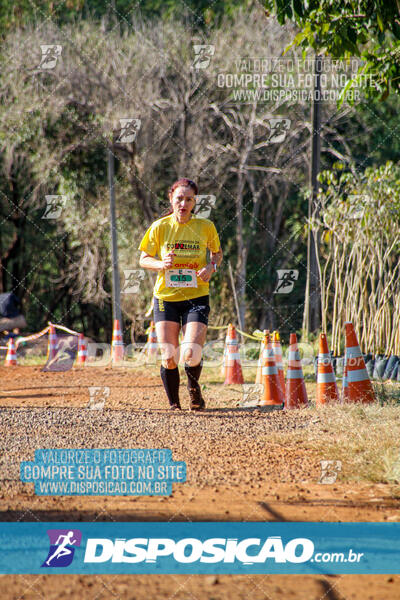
x=183 y=311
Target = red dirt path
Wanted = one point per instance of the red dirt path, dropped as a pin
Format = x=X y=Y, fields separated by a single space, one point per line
x=234 y=474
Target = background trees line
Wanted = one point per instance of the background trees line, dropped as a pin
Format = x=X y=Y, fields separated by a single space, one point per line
x=55 y=127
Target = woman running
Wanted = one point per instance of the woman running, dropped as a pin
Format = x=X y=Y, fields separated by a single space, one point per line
x=180 y=240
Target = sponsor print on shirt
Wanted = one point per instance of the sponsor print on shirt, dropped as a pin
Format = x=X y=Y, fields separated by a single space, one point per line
x=186 y=265
x=184 y=247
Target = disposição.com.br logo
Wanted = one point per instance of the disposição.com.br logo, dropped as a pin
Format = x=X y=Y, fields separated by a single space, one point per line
x=62 y=547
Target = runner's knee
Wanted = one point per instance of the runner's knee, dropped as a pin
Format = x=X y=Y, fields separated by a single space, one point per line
x=169 y=354
x=169 y=363
x=192 y=354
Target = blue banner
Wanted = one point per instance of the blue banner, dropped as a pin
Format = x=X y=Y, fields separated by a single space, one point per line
x=200 y=548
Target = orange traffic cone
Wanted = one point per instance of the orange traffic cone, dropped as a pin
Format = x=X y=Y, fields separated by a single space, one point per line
x=11 y=356
x=152 y=345
x=296 y=393
x=117 y=344
x=261 y=358
x=272 y=394
x=233 y=373
x=326 y=381
x=52 y=343
x=82 y=350
x=277 y=350
x=358 y=383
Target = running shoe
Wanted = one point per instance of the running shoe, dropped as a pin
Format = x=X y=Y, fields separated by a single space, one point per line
x=196 y=399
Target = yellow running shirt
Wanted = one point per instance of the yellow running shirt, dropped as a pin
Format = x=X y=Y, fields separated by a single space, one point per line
x=189 y=241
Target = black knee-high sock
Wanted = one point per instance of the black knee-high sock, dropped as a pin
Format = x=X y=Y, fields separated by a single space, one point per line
x=193 y=375
x=170 y=379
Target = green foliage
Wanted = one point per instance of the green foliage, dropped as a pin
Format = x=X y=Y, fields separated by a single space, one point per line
x=370 y=202
x=370 y=30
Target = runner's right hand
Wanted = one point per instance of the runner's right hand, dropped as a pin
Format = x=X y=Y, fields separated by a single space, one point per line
x=168 y=260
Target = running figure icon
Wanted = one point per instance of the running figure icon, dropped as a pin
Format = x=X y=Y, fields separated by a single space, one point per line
x=286 y=280
x=62 y=549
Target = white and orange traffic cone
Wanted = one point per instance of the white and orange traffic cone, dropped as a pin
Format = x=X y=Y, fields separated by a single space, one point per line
x=233 y=368
x=117 y=344
x=272 y=392
x=11 y=356
x=82 y=350
x=327 y=390
x=152 y=345
x=359 y=386
x=52 y=342
x=296 y=393
x=261 y=358
x=277 y=349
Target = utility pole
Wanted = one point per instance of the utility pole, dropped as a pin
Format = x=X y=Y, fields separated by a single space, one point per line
x=116 y=291
x=312 y=301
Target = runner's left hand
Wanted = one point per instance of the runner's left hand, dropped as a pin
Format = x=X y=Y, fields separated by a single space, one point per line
x=205 y=273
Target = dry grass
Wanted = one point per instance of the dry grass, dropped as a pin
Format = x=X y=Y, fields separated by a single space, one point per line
x=365 y=438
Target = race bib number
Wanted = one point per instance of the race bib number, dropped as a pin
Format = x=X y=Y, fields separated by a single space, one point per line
x=180 y=278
